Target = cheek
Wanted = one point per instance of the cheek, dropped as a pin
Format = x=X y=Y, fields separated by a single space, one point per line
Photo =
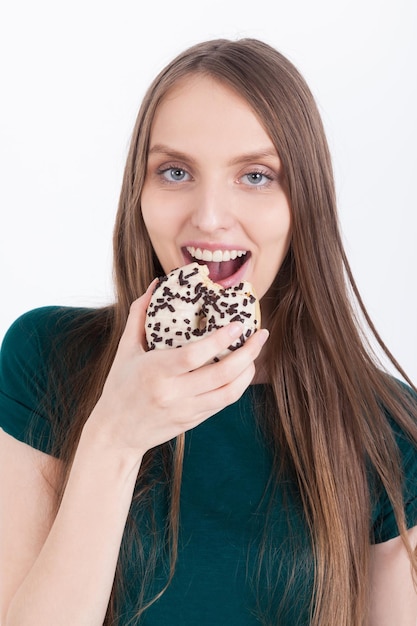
x=276 y=231
x=284 y=228
x=162 y=211
x=274 y=240
x=151 y=214
x=150 y=220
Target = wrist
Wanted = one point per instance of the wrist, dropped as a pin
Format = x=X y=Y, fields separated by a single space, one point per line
x=101 y=442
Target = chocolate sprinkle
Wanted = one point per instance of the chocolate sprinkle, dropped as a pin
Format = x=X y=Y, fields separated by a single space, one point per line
x=198 y=309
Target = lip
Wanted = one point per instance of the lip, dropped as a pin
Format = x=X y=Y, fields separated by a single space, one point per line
x=233 y=279
x=212 y=246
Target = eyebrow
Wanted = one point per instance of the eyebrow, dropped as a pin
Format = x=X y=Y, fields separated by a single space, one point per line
x=255 y=156
x=160 y=148
x=246 y=157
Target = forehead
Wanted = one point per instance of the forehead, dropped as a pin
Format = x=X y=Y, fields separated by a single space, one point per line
x=202 y=108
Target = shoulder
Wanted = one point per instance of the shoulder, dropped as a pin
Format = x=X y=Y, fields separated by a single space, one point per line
x=33 y=335
x=42 y=322
x=46 y=327
x=44 y=334
x=403 y=426
x=34 y=364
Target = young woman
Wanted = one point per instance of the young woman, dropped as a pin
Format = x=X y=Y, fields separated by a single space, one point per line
x=277 y=486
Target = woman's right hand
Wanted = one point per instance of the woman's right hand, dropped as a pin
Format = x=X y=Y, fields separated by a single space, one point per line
x=150 y=397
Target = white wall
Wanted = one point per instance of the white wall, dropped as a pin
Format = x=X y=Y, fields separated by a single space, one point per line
x=73 y=74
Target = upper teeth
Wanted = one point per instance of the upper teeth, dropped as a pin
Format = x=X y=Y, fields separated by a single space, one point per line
x=214 y=255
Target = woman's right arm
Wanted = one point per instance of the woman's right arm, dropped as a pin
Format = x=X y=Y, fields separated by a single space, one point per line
x=59 y=569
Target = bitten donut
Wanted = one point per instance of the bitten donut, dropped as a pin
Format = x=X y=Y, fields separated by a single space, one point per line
x=186 y=305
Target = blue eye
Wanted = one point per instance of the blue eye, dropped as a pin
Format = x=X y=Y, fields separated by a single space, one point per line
x=174 y=174
x=257 y=179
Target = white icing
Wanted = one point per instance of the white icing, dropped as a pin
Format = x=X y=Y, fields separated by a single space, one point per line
x=186 y=305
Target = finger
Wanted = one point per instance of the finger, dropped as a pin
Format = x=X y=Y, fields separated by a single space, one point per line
x=190 y=410
x=216 y=375
x=207 y=404
x=134 y=333
x=194 y=354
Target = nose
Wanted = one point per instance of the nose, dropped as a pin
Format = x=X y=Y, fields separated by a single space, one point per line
x=212 y=208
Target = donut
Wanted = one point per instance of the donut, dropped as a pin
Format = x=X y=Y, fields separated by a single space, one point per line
x=186 y=305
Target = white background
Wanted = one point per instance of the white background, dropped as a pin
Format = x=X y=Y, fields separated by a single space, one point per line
x=72 y=77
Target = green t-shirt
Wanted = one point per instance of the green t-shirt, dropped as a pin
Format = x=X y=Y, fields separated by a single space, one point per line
x=226 y=469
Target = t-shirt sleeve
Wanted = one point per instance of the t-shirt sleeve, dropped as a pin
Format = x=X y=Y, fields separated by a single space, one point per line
x=23 y=378
x=384 y=523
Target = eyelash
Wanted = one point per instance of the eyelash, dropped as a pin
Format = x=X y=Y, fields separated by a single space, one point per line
x=261 y=172
x=160 y=172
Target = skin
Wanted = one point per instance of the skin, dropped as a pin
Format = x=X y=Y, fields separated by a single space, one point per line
x=148 y=398
x=58 y=570
x=393 y=596
x=214 y=181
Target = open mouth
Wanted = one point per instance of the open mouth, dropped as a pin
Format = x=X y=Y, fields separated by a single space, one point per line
x=225 y=266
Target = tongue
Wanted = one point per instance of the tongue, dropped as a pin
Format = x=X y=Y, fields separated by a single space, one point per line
x=220 y=271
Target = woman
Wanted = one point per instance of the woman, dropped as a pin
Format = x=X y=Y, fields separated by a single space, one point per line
x=291 y=499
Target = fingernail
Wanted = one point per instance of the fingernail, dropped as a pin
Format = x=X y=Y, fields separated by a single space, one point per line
x=262 y=335
x=152 y=285
x=235 y=329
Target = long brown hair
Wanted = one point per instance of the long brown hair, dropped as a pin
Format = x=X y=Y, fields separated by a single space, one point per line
x=328 y=396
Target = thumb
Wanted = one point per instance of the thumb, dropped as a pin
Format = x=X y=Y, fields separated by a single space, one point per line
x=134 y=333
